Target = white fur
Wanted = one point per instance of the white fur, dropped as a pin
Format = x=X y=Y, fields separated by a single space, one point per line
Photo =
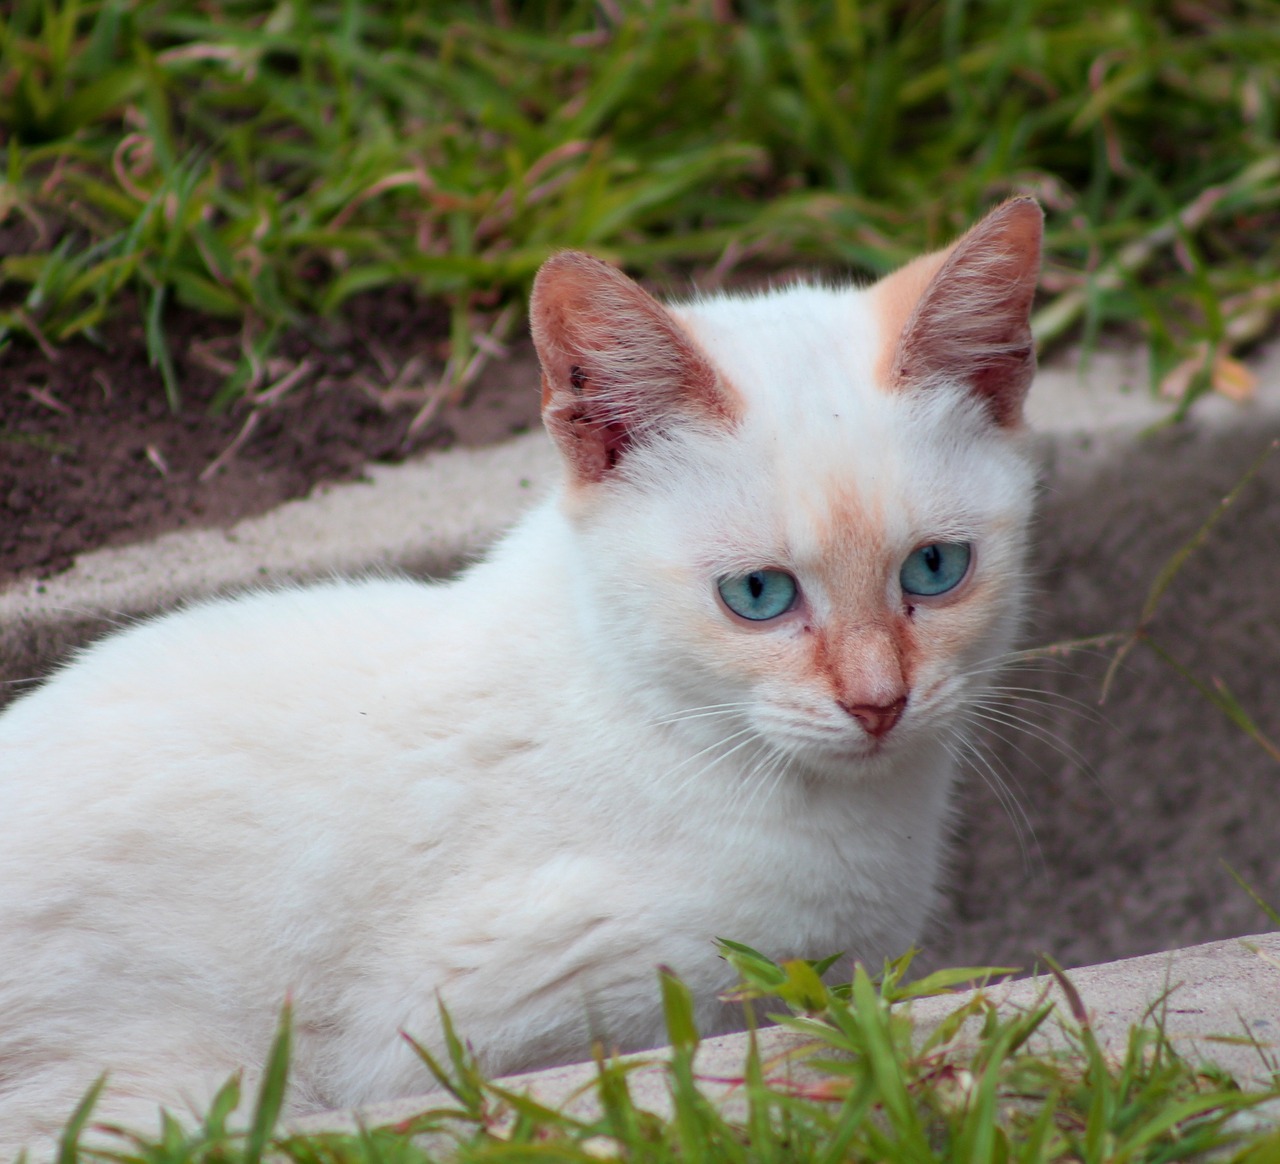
x=521 y=790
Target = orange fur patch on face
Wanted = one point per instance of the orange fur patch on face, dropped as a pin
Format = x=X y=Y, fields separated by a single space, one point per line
x=893 y=299
x=866 y=663
x=844 y=521
x=864 y=653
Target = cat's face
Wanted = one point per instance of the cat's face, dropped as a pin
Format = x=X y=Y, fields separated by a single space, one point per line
x=825 y=552
x=841 y=582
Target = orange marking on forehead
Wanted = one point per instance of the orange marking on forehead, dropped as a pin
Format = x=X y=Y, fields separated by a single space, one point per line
x=849 y=529
x=847 y=511
x=893 y=299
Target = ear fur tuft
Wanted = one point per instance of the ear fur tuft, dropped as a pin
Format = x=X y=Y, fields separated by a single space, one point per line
x=971 y=321
x=615 y=364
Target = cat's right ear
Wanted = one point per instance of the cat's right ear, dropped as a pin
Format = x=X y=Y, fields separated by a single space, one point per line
x=963 y=314
x=616 y=366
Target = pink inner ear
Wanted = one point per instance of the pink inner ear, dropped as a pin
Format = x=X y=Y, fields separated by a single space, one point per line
x=615 y=364
x=963 y=314
x=607 y=438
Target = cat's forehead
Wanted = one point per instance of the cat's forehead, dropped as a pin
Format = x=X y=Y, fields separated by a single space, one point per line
x=800 y=346
x=836 y=460
x=803 y=363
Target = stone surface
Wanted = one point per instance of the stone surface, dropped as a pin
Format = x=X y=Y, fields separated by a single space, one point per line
x=426 y=517
x=1226 y=990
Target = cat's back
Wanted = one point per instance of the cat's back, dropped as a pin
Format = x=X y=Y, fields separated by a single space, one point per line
x=240 y=659
x=245 y=712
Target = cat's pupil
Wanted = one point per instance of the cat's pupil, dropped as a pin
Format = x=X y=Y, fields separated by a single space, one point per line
x=932 y=558
x=755 y=583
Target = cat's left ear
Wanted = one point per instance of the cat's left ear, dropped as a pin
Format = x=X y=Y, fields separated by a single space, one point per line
x=616 y=366
x=964 y=314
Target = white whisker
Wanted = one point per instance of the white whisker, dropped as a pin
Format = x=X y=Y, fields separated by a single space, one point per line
x=744 y=731
x=1040 y=696
x=748 y=732
x=766 y=774
x=1008 y=719
x=996 y=700
x=711 y=710
x=969 y=753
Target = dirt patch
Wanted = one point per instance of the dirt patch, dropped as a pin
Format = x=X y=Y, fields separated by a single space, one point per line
x=92 y=455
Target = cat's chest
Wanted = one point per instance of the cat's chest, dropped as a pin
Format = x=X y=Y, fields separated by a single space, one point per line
x=664 y=868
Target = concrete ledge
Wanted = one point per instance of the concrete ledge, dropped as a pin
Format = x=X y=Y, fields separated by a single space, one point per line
x=1222 y=990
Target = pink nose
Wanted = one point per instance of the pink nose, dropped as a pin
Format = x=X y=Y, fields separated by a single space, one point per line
x=877 y=720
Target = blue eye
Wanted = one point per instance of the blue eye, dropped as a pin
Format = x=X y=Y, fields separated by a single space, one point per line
x=935 y=569
x=760 y=595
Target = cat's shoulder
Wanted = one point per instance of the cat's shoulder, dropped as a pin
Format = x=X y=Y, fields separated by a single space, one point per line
x=338 y=604
x=249 y=639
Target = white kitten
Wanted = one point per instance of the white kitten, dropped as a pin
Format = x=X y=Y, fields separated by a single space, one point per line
x=711 y=687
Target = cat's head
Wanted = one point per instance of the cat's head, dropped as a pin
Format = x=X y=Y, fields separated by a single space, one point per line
x=801 y=515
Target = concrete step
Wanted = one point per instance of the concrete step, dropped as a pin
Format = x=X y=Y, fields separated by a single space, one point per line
x=429 y=516
x=1202 y=996
x=425 y=517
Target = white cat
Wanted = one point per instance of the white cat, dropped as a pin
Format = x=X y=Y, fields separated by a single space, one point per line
x=713 y=686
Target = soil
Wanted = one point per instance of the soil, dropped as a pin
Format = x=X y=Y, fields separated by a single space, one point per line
x=92 y=454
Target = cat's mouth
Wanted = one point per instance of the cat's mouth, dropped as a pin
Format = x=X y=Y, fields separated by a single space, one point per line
x=827 y=742
x=852 y=749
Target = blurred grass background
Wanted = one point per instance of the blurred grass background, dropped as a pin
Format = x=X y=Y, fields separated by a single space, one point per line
x=261 y=163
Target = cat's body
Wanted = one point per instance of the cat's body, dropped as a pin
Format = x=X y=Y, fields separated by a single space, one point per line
x=523 y=790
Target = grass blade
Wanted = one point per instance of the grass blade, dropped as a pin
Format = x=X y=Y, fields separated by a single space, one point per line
x=272 y=1090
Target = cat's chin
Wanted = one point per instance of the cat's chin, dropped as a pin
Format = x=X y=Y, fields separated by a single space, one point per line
x=853 y=758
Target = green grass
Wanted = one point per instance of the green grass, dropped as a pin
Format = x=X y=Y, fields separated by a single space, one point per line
x=982 y=1086
x=261 y=163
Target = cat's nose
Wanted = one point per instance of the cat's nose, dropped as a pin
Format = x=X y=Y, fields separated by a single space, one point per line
x=877 y=719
